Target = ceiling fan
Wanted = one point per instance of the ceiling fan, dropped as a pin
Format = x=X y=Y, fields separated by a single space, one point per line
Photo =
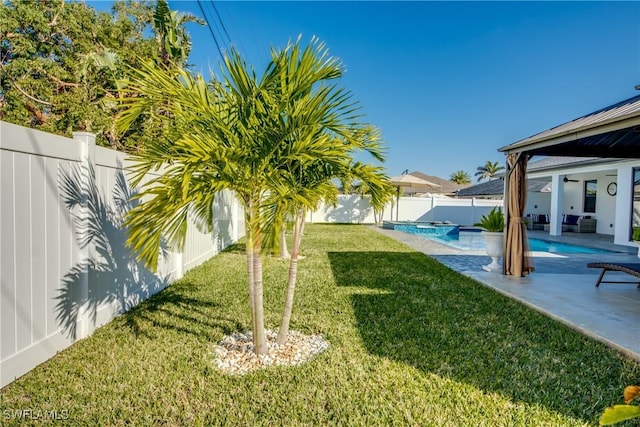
x=565 y=179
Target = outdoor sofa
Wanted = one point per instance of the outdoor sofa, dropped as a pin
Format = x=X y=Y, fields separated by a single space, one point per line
x=578 y=224
x=537 y=221
x=572 y=223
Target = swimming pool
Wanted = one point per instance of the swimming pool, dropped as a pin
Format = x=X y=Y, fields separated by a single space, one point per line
x=423 y=228
x=474 y=241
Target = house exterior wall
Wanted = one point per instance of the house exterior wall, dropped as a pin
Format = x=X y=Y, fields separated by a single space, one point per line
x=605 y=207
x=538 y=203
x=613 y=213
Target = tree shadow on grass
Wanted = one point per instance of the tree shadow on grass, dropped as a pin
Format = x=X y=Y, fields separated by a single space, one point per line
x=236 y=248
x=441 y=322
x=175 y=308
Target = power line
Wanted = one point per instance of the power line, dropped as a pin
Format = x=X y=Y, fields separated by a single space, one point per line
x=217 y=28
x=220 y=20
x=223 y=38
x=238 y=43
x=210 y=28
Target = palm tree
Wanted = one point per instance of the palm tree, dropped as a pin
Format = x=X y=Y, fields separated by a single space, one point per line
x=303 y=183
x=305 y=186
x=211 y=143
x=242 y=133
x=301 y=189
x=488 y=171
x=460 y=177
x=380 y=192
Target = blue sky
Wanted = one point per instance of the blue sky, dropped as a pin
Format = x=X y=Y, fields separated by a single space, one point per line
x=448 y=83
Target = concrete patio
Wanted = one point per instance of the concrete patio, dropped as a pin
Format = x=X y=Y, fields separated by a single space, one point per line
x=561 y=287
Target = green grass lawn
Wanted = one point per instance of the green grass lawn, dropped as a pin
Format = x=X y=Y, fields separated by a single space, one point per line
x=412 y=343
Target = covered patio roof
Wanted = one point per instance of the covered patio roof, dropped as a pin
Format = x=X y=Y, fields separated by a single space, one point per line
x=613 y=131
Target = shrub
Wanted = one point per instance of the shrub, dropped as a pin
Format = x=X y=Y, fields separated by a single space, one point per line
x=493 y=221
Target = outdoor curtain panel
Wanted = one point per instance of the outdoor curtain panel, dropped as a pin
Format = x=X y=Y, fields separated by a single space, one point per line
x=517 y=261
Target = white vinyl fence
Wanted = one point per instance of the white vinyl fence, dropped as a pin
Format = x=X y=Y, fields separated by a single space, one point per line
x=65 y=269
x=64 y=266
x=355 y=209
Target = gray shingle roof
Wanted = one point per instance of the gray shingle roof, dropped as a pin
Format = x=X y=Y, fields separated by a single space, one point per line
x=496 y=187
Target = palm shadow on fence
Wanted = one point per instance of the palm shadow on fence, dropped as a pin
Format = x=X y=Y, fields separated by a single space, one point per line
x=350 y=210
x=110 y=272
x=443 y=323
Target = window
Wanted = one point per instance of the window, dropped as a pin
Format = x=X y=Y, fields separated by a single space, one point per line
x=590 y=190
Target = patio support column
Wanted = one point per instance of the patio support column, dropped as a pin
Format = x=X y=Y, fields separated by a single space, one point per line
x=624 y=206
x=557 y=196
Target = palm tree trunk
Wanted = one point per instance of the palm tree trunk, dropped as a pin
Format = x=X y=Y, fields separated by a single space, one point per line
x=254 y=269
x=293 y=275
x=259 y=338
x=249 y=229
x=284 y=252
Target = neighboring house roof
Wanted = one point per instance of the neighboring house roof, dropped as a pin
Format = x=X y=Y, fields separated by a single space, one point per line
x=613 y=131
x=446 y=187
x=495 y=187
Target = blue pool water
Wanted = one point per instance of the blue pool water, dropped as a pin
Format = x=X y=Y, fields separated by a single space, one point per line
x=424 y=228
x=469 y=240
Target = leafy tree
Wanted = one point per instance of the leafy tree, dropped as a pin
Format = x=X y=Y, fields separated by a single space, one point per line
x=61 y=63
x=171 y=35
x=264 y=138
x=460 y=177
x=488 y=171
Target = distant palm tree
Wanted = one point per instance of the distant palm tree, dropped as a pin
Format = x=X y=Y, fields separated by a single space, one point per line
x=460 y=177
x=488 y=171
x=380 y=194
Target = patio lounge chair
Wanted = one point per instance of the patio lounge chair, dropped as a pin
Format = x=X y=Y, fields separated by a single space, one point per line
x=632 y=268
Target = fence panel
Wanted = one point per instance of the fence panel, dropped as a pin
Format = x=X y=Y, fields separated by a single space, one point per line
x=65 y=267
x=37 y=246
x=354 y=209
x=351 y=209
